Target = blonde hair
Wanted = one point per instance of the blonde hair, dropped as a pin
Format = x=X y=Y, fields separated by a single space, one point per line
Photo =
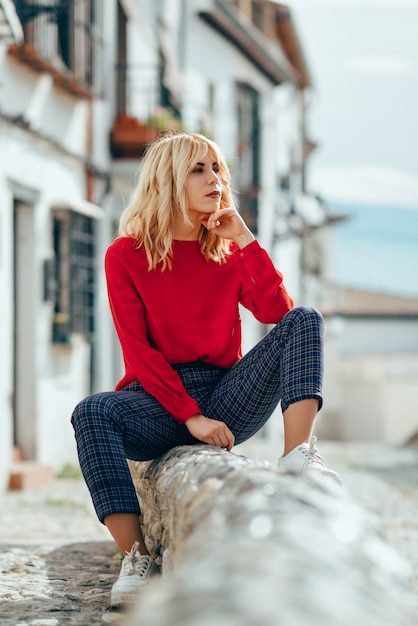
x=161 y=190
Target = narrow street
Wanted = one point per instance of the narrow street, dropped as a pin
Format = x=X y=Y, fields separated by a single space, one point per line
x=58 y=564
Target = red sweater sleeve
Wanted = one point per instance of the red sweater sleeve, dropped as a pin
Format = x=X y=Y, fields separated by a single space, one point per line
x=151 y=368
x=262 y=288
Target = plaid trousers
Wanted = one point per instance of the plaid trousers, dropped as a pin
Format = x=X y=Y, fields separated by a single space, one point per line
x=286 y=365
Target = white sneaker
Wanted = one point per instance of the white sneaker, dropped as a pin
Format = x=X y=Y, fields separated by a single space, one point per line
x=135 y=572
x=305 y=458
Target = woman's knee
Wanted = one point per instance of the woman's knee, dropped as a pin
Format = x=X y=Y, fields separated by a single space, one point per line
x=91 y=407
x=306 y=314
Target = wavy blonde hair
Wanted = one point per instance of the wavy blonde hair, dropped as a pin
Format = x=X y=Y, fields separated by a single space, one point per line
x=161 y=190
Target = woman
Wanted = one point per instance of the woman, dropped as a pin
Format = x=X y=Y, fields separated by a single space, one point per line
x=183 y=262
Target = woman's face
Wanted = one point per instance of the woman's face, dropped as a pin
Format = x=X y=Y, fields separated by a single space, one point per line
x=204 y=186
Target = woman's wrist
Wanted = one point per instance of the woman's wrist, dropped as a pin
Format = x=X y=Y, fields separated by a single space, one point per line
x=192 y=418
x=244 y=239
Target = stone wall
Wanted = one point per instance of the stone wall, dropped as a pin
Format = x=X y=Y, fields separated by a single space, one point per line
x=242 y=545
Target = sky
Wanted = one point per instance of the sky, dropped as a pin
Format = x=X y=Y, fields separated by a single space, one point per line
x=363 y=113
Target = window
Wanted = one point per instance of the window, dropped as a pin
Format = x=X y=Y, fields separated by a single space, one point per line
x=121 y=67
x=247 y=176
x=73 y=275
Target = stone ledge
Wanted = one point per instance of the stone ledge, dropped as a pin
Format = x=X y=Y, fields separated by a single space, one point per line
x=242 y=544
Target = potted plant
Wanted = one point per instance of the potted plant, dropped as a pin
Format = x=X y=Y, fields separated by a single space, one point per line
x=163 y=118
x=129 y=136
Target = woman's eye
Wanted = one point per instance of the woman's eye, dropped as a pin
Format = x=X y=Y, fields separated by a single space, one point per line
x=197 y=170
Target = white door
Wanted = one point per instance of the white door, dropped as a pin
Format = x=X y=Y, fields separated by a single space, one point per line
x=24 y=387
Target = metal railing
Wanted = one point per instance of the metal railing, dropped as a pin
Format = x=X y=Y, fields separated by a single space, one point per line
x=141 y=93
x=68 y=36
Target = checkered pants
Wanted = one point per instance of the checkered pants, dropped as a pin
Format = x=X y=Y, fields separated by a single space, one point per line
x=286 y=365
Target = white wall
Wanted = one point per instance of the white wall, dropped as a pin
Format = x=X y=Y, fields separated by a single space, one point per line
x=371 y=381
x=50 y=111
x=379 y=336
x=6 y=310
x=31 y=165
x=66 y=383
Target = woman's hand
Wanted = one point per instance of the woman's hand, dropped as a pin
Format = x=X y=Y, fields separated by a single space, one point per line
x=210 y=431
x=229 y=224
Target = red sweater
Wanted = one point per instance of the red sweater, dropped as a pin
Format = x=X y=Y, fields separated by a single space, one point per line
x=189 y=313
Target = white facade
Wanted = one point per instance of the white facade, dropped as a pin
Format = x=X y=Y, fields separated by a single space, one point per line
x=44 y=138
x=371 y=368
x=48 y=378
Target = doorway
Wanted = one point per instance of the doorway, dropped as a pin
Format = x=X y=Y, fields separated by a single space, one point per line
x=24 y=387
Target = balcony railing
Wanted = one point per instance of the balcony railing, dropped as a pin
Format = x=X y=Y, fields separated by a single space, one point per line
x=64 y=39
x=144 y=110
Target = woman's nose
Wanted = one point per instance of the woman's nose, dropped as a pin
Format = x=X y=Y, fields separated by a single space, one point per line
x=214 y=177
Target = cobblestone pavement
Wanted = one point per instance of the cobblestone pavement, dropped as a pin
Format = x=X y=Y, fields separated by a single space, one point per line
x=57 y=564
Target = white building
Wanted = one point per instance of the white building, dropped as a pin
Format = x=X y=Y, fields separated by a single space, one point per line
x=371 y=373
x=83 y=87
x=49 y=75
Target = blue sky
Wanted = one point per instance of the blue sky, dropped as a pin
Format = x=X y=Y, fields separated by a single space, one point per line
x=363 y=57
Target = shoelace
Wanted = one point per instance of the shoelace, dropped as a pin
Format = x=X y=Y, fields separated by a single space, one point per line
x=134 y=563
x=313 y=452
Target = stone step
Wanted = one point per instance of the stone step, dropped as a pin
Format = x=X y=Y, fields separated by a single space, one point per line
x=27 y=475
